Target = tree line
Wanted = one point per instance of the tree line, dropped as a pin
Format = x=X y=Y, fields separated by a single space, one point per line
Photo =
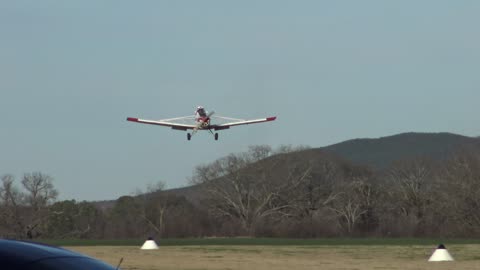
x=286 y=192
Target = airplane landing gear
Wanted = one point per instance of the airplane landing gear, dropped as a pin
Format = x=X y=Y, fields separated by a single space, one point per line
x=189 y=136
x=215 y=135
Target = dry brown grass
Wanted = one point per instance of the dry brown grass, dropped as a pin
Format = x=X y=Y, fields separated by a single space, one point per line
x=284 y=257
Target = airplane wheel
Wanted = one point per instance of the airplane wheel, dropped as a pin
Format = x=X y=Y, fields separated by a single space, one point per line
x=216 y=136
x=189 y=136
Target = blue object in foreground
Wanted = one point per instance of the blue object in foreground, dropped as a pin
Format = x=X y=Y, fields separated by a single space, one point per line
x=21 y=255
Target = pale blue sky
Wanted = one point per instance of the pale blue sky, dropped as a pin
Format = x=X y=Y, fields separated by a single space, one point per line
x=71 y=72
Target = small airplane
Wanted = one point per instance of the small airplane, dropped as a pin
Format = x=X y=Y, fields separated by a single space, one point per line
x=201 y=121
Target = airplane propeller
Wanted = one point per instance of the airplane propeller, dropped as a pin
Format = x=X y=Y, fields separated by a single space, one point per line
x=210 y=114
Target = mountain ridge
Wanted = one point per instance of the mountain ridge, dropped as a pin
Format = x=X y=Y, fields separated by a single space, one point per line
x=379 y=153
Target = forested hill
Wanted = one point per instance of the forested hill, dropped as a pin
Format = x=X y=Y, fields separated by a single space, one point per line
x=380 y=153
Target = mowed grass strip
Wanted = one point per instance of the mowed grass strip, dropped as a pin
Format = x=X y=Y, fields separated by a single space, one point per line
x=265 y=242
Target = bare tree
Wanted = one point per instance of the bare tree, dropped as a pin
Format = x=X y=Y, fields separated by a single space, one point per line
x=246 y=192
x=348 y=211
x=154 y=206
x=460 y=191
x=411 y=191
x=355 y=200
x=318 y=188
x=11 y=200
x=40 y=190
x=40 y=194
x=259 y=152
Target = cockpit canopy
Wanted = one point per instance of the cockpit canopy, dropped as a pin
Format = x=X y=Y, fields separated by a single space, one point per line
x=201 y=112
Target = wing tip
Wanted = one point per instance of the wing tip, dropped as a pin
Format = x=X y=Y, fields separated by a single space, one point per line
x=132 y=119
x=271 y=118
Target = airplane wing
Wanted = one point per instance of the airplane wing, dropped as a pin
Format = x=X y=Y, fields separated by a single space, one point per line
x=243 y=122
x=166 y=123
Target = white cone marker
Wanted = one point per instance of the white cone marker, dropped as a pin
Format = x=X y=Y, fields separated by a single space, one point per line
x=441 y=255
x=149 y=244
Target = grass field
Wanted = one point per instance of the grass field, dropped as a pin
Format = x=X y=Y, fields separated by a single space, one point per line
x=278 y=254
x=336 y=257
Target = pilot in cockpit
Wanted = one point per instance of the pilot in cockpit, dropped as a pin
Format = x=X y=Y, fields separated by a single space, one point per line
x=201 y=111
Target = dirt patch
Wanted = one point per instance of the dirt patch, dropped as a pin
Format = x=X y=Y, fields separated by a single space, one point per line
x=284 y=257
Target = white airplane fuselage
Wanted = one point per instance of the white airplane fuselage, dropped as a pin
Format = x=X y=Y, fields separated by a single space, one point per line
x=202 y=118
